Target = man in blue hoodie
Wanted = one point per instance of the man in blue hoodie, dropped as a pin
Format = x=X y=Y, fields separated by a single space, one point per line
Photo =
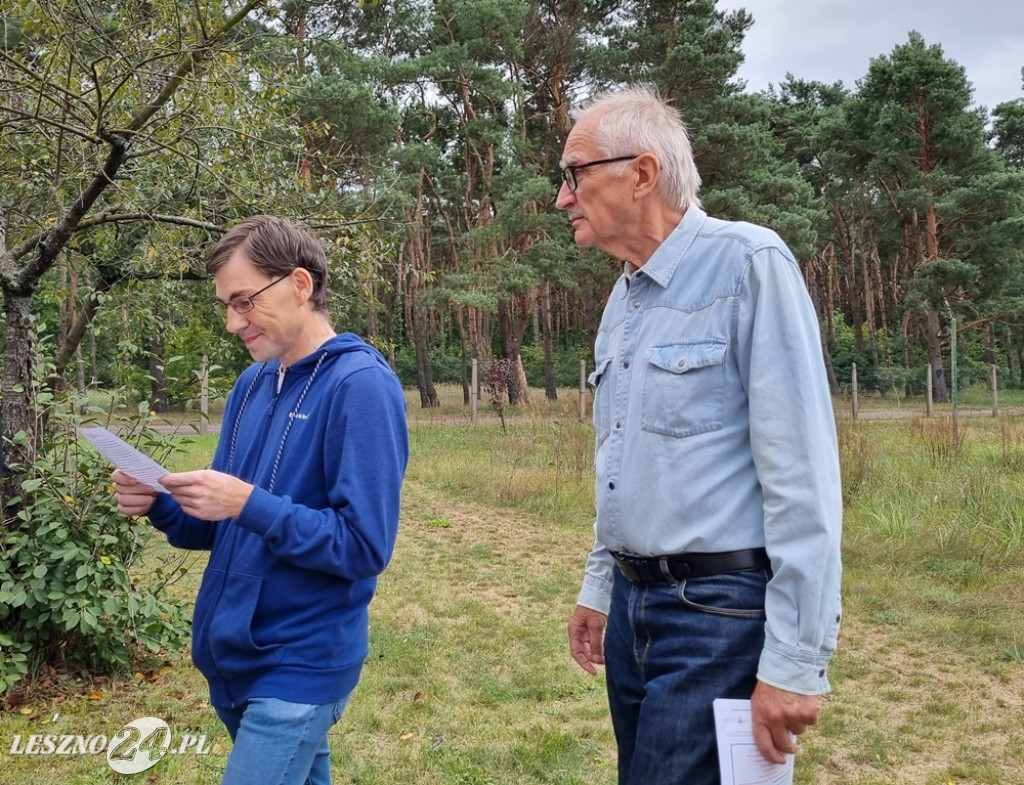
x=299 y=511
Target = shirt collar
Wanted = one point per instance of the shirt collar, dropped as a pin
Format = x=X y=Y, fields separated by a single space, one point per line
x=663 y=262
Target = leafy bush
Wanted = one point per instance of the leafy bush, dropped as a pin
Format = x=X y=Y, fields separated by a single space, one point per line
x=566 y=362
x=445 y=363
x=74 y=587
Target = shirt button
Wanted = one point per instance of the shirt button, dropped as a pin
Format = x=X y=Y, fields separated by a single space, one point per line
x=611 y=486
x=637 y=303
x=682 y=363
x=618 y=424
x=625 y=364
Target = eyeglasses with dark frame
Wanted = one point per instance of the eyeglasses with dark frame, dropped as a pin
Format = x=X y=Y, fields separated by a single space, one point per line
x=243 y=303
x=569 y=172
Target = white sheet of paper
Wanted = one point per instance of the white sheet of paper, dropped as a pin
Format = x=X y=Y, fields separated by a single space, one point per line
x=125 y=457
x=740 y=761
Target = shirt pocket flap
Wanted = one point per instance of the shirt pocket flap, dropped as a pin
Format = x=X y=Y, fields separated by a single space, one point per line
x=683 y=357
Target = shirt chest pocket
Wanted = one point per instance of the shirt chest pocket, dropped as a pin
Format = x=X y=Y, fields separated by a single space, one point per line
x=684 y=388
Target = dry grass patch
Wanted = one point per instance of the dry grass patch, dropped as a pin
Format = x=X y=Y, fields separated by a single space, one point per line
x=470 y=680
x=904 y=712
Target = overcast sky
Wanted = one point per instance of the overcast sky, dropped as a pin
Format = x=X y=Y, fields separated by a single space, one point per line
x=835 y=40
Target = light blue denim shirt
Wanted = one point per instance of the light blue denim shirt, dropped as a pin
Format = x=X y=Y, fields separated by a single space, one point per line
x=715 y=431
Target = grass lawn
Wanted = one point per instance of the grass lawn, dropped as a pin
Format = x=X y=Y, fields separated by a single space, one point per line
x=469 y=681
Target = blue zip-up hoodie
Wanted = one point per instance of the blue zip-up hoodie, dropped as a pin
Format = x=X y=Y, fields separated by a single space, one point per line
x=282 y=611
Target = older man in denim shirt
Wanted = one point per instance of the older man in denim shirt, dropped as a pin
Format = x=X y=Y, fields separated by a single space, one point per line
x=716 y=567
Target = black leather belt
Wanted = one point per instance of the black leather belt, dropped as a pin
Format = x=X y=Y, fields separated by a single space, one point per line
x=673 y=569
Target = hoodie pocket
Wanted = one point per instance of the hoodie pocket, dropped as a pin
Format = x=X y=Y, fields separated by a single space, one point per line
x=231 y=637
x=684 y=388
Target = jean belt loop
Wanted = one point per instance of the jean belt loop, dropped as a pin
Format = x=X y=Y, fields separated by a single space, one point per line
x=666 y=573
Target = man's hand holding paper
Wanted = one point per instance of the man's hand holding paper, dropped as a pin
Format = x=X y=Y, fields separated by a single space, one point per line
x=208 y=495
x=133 y=497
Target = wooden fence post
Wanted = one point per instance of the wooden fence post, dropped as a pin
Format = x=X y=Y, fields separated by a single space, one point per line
x=474 y=391
x=928 y=385
x=995 y=391
x=853 y=382
x=583 y=390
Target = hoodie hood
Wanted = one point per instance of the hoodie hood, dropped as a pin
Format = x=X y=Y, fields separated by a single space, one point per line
x=332 y=347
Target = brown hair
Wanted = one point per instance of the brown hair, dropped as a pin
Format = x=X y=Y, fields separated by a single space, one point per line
x=275 y=246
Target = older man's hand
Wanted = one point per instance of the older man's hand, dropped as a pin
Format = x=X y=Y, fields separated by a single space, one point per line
x=777 y=716
x=586 y=637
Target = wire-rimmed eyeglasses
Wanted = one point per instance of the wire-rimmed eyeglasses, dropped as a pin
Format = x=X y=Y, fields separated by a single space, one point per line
x=569 y=172
x=243 y=303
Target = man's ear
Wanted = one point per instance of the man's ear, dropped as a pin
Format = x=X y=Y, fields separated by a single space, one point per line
x=648 y=171
x=303 y=283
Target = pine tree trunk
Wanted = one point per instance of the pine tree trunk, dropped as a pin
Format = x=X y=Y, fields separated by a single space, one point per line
x=878 y=288
x=1011 y=358
x=424 y=373
x=550 y=382
x=509 y=349
x=464 y=355
x=940 y=392
x=853 y=298
x=869 y=309
x=591 y=309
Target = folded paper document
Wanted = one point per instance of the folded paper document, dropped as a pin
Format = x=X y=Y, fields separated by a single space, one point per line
x=739 y=759
x=125 y=457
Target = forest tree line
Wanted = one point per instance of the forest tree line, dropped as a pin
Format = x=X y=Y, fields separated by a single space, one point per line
x=421 y=140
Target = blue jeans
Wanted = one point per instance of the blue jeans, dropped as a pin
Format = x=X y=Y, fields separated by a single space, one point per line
x=670 y=651
x=279 y=743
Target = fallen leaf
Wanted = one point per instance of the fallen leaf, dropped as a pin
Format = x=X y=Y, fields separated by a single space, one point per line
x=95 y=695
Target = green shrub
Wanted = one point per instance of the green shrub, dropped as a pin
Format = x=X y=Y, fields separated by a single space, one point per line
x=74 y=587
x=566 y=365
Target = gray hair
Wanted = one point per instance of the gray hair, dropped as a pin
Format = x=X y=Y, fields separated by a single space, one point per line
x=637 y=120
